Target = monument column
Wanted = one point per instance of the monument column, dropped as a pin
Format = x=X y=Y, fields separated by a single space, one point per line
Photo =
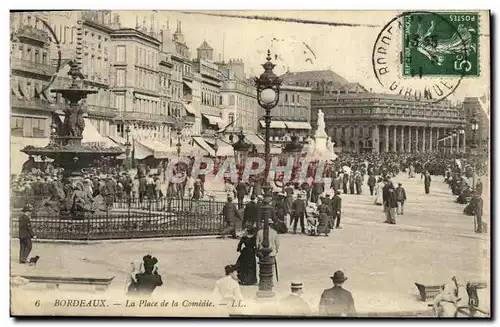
x=402 y=147
x=430 y=139
x=409 y=139
x=375 y=139
x=423 y=139
x=394 y=145
x=386 y=138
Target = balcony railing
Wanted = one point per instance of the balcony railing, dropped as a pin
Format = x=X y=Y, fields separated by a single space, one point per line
x=37 y=104
x=36 y=67
x=33 y=33
x=109 y=111
x=132 y=115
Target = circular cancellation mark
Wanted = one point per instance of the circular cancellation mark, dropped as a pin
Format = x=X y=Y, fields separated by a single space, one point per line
x=422 y=55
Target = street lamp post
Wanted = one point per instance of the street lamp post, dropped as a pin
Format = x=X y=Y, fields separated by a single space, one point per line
x=268 y=88
x=474 y=127
x=128 y=164
x=179 y=126
x=241 y=149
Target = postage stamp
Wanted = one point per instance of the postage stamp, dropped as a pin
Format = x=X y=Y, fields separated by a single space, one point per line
x=444 y=44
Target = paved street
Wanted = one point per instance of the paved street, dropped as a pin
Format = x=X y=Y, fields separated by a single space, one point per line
x=431 y=242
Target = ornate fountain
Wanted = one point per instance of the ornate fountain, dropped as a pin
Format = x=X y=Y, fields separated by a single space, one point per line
x=68 y=152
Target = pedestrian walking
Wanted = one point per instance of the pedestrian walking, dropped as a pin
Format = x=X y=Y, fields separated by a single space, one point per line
x=372 y=181
x=337 y=209
x=427 y=182
x=298 y=213
x=294 y=304
x=230 y=213
x=400 y=198
x=337 y=301
x=25 y=233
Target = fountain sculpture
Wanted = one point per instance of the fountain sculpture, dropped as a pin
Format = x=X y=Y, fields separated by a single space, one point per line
x=68 y=152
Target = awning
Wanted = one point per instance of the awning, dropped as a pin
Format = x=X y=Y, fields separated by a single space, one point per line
x=188 y=84
x=200 y=141
x=156 y=148
x=118 y=140
x=298 y=125
x=214 y=120
x=255 y=140
x=274 y=124
x=224 y=149
x=91 y=135
x=140 y=151
x=189 y=109
x=18 y=158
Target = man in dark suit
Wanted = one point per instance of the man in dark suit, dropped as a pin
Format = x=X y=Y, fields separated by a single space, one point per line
x=345 y=181
x=294 y=304
x=336 y=208
x=336 y=301
x=372 y=181
x=241 y=191
x=25 y=233
x=251 y=213
x=298 y=213
x=230 y=213
x=427 y=182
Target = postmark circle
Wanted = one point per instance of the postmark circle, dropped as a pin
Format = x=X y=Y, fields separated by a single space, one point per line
x=416 y=64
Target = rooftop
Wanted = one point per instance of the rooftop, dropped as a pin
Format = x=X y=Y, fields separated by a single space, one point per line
x=314 y=76
x=205 y=46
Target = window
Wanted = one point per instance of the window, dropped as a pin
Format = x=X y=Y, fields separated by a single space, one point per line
x=44 y=58
x=220 y=100
x=37 y=57
x=231 y=117
x=29 y=55
x=120 y=53
x=231 y=100
x=286 y=97
x=16 y=126
x=120 y=102
x=120 y=77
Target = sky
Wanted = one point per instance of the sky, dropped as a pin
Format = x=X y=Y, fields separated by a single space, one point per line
x=345 y=50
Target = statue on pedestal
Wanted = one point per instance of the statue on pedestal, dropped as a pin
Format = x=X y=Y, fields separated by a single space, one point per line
x=320 y=130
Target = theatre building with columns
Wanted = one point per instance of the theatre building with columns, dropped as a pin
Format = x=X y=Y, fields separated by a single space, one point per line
x=360 y=121
x=371 y=122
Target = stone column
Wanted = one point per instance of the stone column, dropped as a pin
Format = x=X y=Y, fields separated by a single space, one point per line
x=423 y=139
x=394 y=144
x=463 y=144
x=430 y=139
x=402 y=148
x=375 y=139
x=409 y=138
x=386 y=138
x=416 y=139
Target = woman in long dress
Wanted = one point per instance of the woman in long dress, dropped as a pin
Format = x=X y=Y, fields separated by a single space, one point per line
x=247 y=263
x=378 y=192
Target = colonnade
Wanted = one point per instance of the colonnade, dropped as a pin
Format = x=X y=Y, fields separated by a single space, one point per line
x=396 y=138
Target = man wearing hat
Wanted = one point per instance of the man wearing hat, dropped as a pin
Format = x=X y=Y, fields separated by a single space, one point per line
x=251 y=212
x=294 y=304
x=230 y=213
x=401 y=198
x=25 y=233
x=298 y=213
x=336 y=209
x=337 y=301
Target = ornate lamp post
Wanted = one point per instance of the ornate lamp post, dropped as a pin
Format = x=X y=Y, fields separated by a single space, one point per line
x=179 y=126
x=128 y=162
x=474 y=124
x=268 y=91
x=241 y=149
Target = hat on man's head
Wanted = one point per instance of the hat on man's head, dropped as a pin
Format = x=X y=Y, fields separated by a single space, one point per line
x=149 y=261
x=27 y=207
x=296 y=286
x=229 y=269
x=338 y=277
x=253 y=197
x=400 y=184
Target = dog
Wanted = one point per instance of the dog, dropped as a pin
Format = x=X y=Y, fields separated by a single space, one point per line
x=34 y=260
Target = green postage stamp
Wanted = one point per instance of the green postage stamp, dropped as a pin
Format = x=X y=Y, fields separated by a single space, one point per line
x=440 y=44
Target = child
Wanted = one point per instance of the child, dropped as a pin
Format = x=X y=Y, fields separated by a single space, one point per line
x=131 y=280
